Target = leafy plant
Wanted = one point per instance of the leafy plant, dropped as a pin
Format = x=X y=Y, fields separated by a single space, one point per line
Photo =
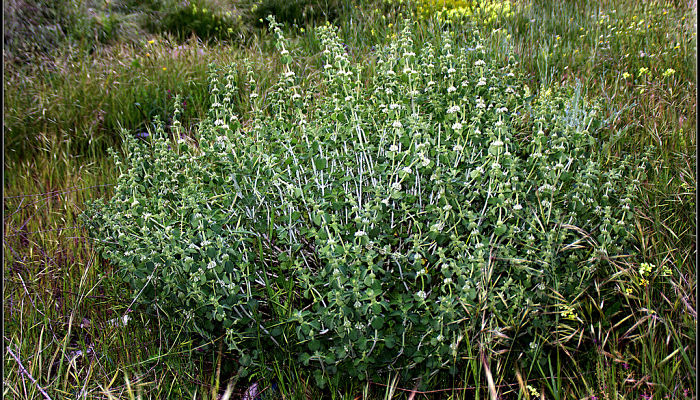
x=200 y=19
x=373 y=225
x=300 y=12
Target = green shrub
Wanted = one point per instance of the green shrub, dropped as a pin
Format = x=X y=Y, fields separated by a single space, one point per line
x=299 y=12
x=388 y=224
x=201 y=19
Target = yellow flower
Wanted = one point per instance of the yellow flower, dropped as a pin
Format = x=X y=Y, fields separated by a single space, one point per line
x=628 y=290
x=669 y=72
x=151 y=41
x=164 y=68
x=148 y=54
x=626 y=75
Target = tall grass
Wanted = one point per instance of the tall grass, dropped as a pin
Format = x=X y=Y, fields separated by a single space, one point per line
x=63 y=306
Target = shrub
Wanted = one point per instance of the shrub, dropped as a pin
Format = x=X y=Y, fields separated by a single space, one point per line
x=299 y=12
x=388 y=224
x=485 y=12
x=200 y=18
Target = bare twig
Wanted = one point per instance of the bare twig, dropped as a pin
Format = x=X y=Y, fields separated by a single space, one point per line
x=24 y=371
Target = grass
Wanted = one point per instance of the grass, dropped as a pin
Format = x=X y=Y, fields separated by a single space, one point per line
x=62 y=304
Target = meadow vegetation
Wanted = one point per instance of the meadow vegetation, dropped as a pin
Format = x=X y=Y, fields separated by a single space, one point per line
x=588 y=103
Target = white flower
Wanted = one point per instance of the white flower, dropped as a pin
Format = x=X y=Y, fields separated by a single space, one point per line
x=431 y=83
x=456 y=126
x=457 y=147
x=393 y=147
x=348 y=98
x=451 y=71
x=389 y=90
x=451 y=89
x=327 y=66
x=253 y=95
x=482 y=82
x=296 y=96
x=397 y=124
x=393 y=106
x=479 y=63
x=517 y=207
x=360 y=233
x=211 y=265
x=453 y=109
x=437 y=227
x=497 y=143
x=396 y=186
x=409 y=54
x=421 y=294
x=289 y=74
x=499 y=123
x=407 y=170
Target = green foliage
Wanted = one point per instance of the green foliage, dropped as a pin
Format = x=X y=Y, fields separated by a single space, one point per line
x=372 y=224
x=200 y=18
x=39 y=27
x=299 y=12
